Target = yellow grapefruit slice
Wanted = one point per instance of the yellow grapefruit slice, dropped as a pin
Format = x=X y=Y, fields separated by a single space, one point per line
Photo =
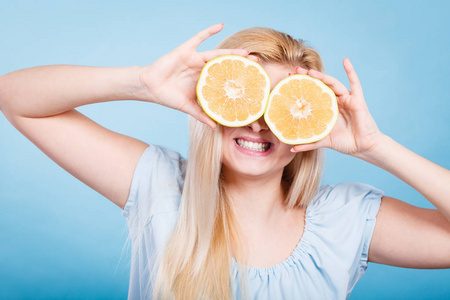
x=233 y=90
x=301 y=110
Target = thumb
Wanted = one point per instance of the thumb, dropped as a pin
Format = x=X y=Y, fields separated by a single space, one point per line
x=197 y=112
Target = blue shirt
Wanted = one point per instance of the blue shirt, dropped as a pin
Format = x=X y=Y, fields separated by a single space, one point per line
x=326 y=264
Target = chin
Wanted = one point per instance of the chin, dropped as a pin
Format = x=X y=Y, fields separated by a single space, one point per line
x=254 y=167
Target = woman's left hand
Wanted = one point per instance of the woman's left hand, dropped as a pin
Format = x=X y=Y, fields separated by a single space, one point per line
x=355 y=132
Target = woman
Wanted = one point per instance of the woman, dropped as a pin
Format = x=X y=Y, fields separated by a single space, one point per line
x=262 y=217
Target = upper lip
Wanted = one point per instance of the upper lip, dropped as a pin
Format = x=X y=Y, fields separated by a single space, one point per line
x=254 y=139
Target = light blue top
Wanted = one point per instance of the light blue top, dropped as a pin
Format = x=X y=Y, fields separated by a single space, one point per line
x=326 y=264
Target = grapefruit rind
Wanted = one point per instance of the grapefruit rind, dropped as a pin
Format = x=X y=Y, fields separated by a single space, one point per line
x=314 y=138
x=204 y=103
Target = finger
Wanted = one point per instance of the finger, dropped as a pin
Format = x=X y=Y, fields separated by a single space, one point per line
x=338 y=88
x=211 y=54
x=303 y=148
x=300 y=70
x=308 y=147
x=198 y=113
x=254 y=58
x=355 y=85
x=197 y=39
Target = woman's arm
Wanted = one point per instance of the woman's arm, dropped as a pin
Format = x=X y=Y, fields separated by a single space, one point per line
x=49 y=90
x=404 y=235
x=429 y=179
x=40 y=102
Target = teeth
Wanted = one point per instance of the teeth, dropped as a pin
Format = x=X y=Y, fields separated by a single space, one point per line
x=261 y=147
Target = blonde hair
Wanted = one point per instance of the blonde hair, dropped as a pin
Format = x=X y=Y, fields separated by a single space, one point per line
x=196 y=263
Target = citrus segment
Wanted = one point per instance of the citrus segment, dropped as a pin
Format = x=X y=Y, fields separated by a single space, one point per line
x=301 y=110
x=233 y=90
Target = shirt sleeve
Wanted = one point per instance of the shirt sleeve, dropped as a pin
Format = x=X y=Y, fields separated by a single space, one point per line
x=155 y=188
x=346 y=215
x=368 y=207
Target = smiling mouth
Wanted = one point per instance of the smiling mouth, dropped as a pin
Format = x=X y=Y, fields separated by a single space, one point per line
x=254 y=146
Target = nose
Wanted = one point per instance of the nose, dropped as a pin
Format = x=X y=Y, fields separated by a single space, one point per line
x=258 y=125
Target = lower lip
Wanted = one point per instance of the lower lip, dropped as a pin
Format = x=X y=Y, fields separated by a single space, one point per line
x=253 y=152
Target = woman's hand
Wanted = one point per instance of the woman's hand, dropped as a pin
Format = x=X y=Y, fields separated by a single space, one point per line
x=172 y=79
x=355 y=132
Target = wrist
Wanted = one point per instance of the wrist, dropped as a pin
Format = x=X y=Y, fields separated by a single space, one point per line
x=379 y=151
x=138 y=89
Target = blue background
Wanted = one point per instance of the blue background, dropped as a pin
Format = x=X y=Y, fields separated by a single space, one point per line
x=60 y=239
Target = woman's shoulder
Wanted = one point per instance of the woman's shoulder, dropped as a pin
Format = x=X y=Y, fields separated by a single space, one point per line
x=158 y=163
x=339 y=225
x=156 y=154
x=332 y=198
x=159 y=174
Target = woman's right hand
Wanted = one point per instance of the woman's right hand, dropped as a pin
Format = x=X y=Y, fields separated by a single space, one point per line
x=40 y=102
x=172 y=79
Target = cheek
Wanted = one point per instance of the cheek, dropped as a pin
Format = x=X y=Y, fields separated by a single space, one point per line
x=227 y=145
x=286 y=155
x=226 y=135
x=286 y=149
x=225 y=155
x=289 y=158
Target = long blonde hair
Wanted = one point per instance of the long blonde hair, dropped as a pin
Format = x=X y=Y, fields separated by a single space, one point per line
x=197 y=260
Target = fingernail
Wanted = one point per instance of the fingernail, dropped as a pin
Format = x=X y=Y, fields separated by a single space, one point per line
x=258 y=58
x=293 y=150
x=248 y=52
x=222 y=24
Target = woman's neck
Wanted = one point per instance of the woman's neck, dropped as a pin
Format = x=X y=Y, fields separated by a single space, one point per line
x=257 y=201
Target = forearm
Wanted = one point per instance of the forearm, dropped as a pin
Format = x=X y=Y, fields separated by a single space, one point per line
x=429 y=179
x=49 y=90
